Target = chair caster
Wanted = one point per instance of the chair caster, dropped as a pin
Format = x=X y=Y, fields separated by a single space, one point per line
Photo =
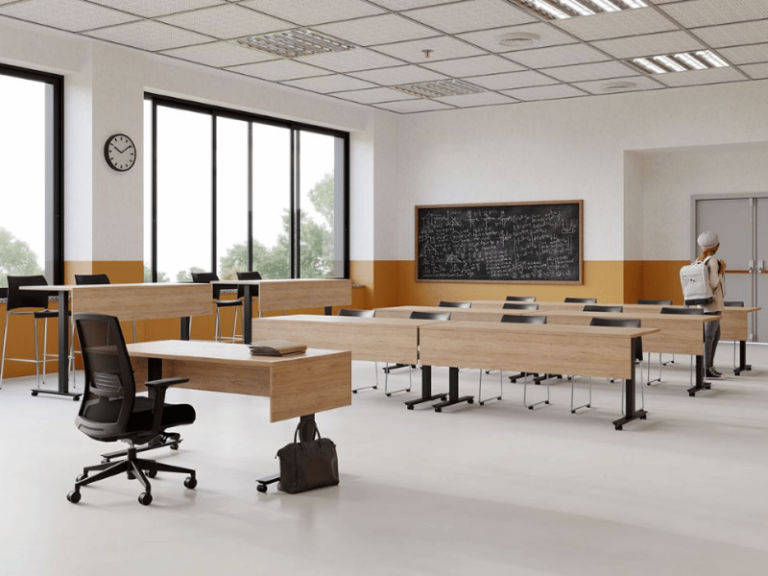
x=145 y=498
x=190 y=482
x=480 y=403
x=573 y=411
x=354 y=391
x=691 y=394
x=443 y=398
x=470 y=401
x=74 y=496
x=643 y=417
x=34 y=392
x=375 y=388
x=388 y=394
x=438 y=409
x=174 y=446
x=151 y=473
x=530 y=407
x=409 y=407
x=619 y=427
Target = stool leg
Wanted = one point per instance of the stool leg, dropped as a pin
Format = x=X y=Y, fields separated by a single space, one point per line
x=217 y=336
x=37 y=355
x=5 y=339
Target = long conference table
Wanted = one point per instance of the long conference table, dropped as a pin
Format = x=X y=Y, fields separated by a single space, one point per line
x=676 y=333
x=128 y=302
x=471 y=344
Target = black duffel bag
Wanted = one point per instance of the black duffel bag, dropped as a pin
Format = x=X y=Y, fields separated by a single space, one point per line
x=308 y=465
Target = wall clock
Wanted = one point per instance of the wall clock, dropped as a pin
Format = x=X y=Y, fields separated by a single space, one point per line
x=120 y=152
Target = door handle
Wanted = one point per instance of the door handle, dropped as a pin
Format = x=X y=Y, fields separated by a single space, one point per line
x=751 y=266
x=761 y=266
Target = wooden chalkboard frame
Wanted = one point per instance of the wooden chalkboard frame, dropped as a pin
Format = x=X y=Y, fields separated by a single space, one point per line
x=579 y=203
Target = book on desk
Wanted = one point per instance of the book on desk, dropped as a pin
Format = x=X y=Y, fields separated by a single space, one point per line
x=276 y=348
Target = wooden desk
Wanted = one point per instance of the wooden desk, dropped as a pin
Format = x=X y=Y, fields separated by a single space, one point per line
x=296 y=385
x=570 y=349
x=458 y=314
x=291 y=294
x=127 y=302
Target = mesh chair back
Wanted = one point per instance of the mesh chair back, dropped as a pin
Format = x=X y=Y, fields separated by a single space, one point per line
x=621 y=323
x=248 y=276
x=24 y=299
x=581 y=300
x=600 y=308
x=693 y=311
x=667 y=302
x=357 y=313
x=520 y=306
x=110 y=389
x=91 y=279
x=736 y=303
x=444 y=304
x=515 y=319
x=521 y=298
x=418 y=315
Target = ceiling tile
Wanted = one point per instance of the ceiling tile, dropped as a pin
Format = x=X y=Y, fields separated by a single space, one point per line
x=382 y=29
x=697 y=77
x=481 y=99
x=474 y=66
x=442 y=48
x=616 y=24
x=149 y=35
x=418 y=105
x=399 y=75
x=470 y=15
x=734 y=34
x=310 y=12
x=557 y=56
x=153 y=8
x=224 y=22
x=649 y=45
x=408 y=4
x=633 y=84
x=595 y=71
x=756 y=71
x=545 y=93
x=69 y=15
x=745 y=54
x=279 y=70
x=512 y=80
x=334 y=83
x=349 y=60
x=374 y=95
x=666 y=1
x=219 y=54
x=547 y=36
x=696 y=13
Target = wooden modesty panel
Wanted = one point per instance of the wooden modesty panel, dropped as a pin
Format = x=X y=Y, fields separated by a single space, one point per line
x=374 y=339
x=144 y=301
x=303 y=293
x=458 y=314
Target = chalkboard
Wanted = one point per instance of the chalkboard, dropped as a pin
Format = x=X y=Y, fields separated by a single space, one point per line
x=523 y=242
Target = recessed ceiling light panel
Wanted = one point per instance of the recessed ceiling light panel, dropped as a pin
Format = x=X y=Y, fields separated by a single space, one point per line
x=679 y=62
x=294 y=43
x=439 y=88
x=561 y=9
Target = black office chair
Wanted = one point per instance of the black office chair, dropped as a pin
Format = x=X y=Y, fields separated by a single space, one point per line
x=603 y=308
x=521 y=299
x=415 y=315
x=207 y=278
x=668 y=310
x=362 y=314
x=515 y=319
x=581 y=300
x=520 y=306
x=111 y=410
x=638 y=355
x=34 y=304
x=444 y=304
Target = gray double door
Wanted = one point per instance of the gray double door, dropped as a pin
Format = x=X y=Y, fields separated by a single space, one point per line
x=742 y=225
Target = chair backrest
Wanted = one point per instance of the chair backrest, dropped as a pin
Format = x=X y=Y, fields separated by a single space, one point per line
x=357 y=313
x=255 y=275
x=737 y=303
x=603 y=308
x=521 y=298
x=418 y=315
x=520 y=306
x=444 y=304
x=519 y=319
x=207 y=278
x=582 y=300
x=110 y=389
x=621 y=323
x=693 y=311
x=23 y=298
x=91 y=279
x=667 y=302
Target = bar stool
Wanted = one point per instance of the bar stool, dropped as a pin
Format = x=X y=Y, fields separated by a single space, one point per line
x=255 y=275
x=207 y=278
x=35 y=304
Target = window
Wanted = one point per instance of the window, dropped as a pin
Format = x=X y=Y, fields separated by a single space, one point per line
x=30 y=175
x=233 y=192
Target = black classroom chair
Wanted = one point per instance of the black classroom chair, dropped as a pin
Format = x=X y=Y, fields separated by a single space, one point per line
x=444 y=304
x=581 y=300
x=603 y=308
x=521 y=299
x=207 y=278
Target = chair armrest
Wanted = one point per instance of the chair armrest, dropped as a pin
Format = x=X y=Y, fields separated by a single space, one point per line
x=165 y=382
x=157 y=390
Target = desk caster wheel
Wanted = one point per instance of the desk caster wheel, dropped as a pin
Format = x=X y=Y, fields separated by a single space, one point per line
x=354 y=391
x=438 y=409
x=261 y=488
x=145 y=498
x=470 y=401
x=691 y=394
x=619 y=427
x=443 y=398
x=530 y=407
x=74 y=496
x=388 y=394
x=190 y=482
x=410 y=407
x=480 y=403
x=644 y=417
x=34 y=392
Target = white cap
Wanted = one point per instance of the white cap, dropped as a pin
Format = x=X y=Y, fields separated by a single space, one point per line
x=708 y=240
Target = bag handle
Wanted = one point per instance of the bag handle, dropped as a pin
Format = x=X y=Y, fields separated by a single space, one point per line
x=296 y=434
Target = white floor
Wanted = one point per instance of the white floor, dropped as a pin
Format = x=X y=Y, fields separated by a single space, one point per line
x=488 y=490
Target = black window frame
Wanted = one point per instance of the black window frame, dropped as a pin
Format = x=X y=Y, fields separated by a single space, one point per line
x=295 y=128
x=55 y=218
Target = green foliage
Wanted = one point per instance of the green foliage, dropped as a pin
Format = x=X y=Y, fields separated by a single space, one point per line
x=161 y=276
x=16 y=258
x=186 y=275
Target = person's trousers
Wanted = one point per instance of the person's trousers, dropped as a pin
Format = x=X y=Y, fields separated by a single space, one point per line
x=711 y=338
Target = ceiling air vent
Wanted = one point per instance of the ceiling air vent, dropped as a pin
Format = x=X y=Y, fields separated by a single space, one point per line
x=439 y=88
x=294 y=43
x=518 y=39
x=618 y=86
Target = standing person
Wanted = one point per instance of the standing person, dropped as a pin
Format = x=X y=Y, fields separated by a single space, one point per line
x=709 y=243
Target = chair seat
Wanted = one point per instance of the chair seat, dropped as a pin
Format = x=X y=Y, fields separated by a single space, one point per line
x=227 y=303
x=48 y=314
x=173 y=415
